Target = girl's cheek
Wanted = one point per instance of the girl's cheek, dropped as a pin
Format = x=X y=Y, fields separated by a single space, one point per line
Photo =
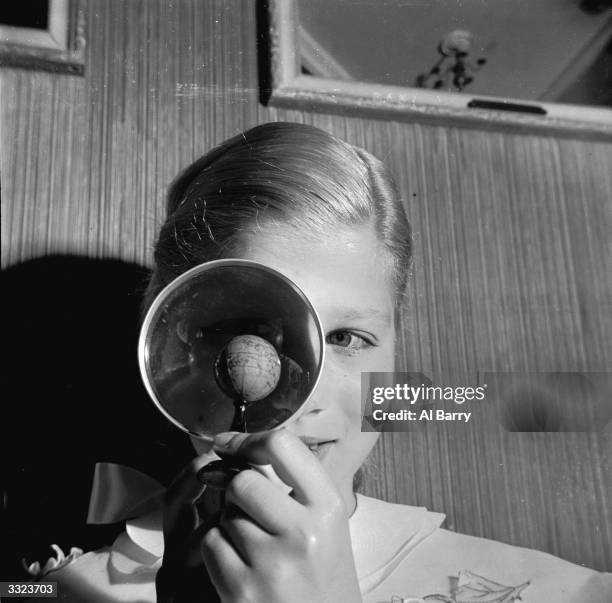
x=346 y=371
x=350 y=394
x=358 y=360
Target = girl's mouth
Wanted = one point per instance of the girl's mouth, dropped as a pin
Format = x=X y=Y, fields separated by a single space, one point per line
x=320 y=449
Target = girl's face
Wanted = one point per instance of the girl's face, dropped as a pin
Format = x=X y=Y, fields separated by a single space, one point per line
x=347 y=278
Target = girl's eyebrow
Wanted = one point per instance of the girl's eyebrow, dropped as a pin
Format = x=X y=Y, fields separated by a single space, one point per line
x=366 y=313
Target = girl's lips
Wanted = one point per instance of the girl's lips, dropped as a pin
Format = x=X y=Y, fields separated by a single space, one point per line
x=312 y=441
x=320 y=449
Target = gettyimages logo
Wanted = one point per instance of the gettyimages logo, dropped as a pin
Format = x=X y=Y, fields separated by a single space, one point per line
x=427 y=393
x=552 y=401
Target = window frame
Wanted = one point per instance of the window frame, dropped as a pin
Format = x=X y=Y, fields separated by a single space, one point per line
x=60 y=48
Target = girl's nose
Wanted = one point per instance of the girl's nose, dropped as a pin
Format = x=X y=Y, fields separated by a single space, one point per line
x=324 y=393
x=316 y=403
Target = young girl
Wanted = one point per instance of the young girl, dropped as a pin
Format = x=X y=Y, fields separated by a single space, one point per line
x=325 y=214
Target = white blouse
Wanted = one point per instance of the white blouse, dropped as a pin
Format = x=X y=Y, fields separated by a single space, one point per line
x=401 y=556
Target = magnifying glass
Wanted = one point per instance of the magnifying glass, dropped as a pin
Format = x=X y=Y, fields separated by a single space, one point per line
x=230 y=345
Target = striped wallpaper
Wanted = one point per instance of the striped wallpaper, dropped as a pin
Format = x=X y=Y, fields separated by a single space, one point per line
x=512 y=244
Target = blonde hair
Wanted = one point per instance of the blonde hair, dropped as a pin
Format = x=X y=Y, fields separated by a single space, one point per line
x=288 y=173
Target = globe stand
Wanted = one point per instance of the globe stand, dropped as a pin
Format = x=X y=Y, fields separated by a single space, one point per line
x=239 y=422
x=218 y=474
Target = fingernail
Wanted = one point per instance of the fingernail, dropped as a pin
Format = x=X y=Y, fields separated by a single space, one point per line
x=223 y=439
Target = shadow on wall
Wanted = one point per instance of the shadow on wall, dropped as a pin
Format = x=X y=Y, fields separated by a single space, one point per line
x=72 y=396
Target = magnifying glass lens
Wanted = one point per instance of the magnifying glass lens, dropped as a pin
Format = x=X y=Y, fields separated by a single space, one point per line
x=230 y=345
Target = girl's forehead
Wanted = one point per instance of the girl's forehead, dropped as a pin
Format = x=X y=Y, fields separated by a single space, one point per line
x=346 y=273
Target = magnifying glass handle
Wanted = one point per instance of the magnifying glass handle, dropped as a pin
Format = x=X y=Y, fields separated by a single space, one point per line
x=218 y=474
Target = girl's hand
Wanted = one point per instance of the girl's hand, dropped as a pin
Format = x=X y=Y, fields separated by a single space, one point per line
x=183 y=578
x=272 y=547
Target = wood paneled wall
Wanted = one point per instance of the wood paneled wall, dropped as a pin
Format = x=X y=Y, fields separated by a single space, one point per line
x=512 y=244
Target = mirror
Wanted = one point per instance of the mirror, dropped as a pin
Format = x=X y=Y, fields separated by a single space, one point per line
x=545 y=66
x=230 y=345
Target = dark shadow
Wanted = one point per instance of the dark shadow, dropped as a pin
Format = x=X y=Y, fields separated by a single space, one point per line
x=264 y=67
x=72 y=396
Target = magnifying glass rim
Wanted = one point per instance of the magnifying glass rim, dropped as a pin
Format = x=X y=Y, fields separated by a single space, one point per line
x=143 y=340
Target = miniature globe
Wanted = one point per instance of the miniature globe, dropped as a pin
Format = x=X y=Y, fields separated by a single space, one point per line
x=248 y=367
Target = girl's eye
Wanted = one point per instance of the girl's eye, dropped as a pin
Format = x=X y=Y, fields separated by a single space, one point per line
x=349 y=340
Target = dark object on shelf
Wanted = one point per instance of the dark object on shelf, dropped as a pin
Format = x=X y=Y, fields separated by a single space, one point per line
x=477 y=103
x=453 y=70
